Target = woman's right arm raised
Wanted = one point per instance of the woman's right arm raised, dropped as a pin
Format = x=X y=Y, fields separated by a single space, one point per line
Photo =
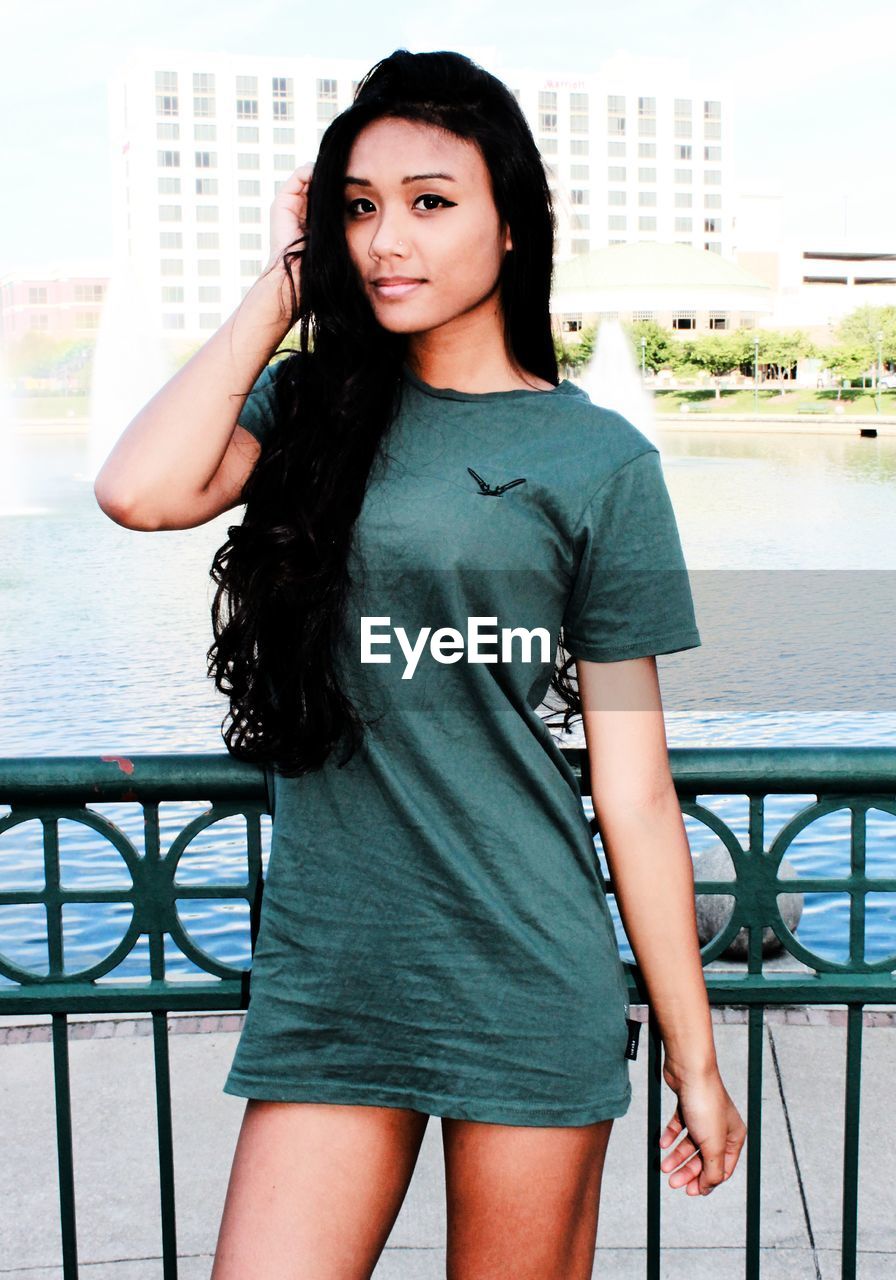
x=184 y=459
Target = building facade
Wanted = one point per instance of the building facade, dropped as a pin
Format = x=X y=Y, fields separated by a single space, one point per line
x=201 y=143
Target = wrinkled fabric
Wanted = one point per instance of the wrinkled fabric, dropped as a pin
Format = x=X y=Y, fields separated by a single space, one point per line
x=434 y=927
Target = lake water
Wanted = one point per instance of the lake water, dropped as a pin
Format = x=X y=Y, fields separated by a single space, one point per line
x=791 y=544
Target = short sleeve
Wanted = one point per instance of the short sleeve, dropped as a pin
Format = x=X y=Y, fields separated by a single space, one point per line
x=259 y=410
x=631 y=595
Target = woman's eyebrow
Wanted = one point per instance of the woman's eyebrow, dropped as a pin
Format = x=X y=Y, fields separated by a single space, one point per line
x=414 y=177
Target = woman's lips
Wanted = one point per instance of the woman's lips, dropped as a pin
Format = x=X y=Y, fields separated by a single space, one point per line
x=398 y=290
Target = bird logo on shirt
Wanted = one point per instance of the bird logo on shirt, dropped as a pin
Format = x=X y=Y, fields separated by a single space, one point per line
x=493 y=491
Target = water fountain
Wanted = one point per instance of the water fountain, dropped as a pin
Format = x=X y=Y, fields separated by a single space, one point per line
x=130 y=362
x=612 y=379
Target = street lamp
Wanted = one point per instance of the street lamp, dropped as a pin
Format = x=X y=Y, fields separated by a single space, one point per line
x=880 y=338
x=643 y=358
x=756 y=374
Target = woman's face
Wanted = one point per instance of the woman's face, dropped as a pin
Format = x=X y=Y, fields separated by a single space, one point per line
x=442 y=232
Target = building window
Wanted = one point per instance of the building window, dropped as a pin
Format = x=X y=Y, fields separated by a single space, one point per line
x=616 y=104
x=579 y=147
x=169 y=186
x=284 y=161
x=609 y=242
x=617 y=222
x=208 y=240
x=248 y=160
x=718 y=319
x=712 y=111
x=646 y=175
x=608 y=315
x=548 y=146
x=712 y=177
x=712 y=153
x=683 y=151
x=37 y=295
x=616 y=197
x=683 y=114
x=250 y=213
x=616 y=173
x=615 y=124
x=206 y=186
x=578 y=196
x=170 y=213
x=578 y=113
x=684 y=320
x=247 y=108
x=647 y=127
x=571 y=323
x=684 y=199
x=712 y=226
x=171 y=266
x=203 y=106
x=580 y=246
x=643 y=315
x=646 y=150
x=166 y=93
x=172 y=293
x=646 y=198
x=168 y=132
x=747 y=322
x=283 y=137
x=647 y=223
x=282 y=99
x=712 y=129
x=713 y=246
x=712 y=200
x=209 y=293
x=249 y=240
x=581 y=171
x=684 y=224
x=248 y=187
x=206 y=159
x=175 y=320
x=580 y=222
x=206 y=213
x=615 y=147
x=683 y=176
x=547 y=111
x=171 y=239
x=205 y=132
x=168 y=159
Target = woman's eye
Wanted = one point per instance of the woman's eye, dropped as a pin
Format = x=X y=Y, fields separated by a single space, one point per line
x=430 y=196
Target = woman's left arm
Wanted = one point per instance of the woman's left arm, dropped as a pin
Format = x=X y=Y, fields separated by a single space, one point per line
x=644 y=838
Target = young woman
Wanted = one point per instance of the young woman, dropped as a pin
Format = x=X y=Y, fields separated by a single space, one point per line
x=429 y=511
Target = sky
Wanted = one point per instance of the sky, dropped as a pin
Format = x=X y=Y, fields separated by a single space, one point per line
x=812 y=85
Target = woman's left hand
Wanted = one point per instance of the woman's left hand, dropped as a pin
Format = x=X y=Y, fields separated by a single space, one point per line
x=715 y=1132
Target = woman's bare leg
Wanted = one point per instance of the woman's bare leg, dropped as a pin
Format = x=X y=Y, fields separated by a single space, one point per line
x=522 y=1200
x=315 y=1189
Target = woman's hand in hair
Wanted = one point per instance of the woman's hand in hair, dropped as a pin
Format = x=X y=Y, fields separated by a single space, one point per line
x=288 y=216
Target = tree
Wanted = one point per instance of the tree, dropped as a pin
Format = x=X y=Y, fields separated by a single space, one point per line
x=848 y=360
x=572 y=356
x=860 y=329
x=659 y=347
x=716 y=353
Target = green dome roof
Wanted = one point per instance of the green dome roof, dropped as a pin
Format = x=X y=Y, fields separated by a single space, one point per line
x=652 y=265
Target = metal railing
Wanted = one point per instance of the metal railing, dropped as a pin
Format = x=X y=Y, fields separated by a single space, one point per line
x=52 y=789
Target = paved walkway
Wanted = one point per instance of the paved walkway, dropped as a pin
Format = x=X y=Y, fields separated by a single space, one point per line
x=117 y=1182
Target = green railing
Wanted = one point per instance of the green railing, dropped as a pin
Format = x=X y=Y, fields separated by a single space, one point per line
x=52 y=789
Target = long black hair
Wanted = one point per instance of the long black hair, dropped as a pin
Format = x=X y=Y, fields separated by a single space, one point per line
x=283 y=575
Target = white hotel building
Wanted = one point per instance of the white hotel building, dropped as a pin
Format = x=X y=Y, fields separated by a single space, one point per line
x=200 y=144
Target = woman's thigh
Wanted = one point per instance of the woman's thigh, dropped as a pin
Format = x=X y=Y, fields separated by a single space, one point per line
x=522 y=1200
x=315 y=1189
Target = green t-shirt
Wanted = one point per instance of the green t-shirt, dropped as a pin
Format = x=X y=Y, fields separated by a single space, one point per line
x=435 y=931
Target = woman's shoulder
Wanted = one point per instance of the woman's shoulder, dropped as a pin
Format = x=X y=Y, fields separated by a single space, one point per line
x=603 y=438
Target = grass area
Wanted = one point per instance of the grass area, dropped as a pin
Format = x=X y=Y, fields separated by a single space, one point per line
x=853 y=400
x=27 y=408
